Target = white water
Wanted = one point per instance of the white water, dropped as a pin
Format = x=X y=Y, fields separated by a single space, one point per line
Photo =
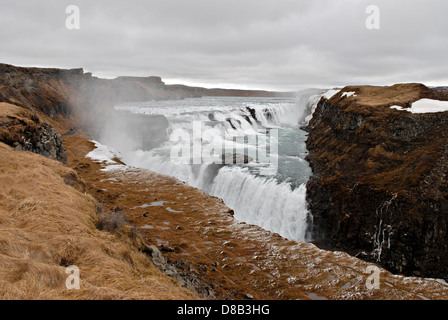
x=275 y=202
x=264 y=202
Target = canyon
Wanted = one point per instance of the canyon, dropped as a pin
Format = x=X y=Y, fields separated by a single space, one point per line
x=377 y=192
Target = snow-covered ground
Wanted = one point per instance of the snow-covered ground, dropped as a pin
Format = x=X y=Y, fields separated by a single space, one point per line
x=105 y=155
x=425 y=106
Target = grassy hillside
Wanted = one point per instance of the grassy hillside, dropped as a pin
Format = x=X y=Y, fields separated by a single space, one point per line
x=47 y=222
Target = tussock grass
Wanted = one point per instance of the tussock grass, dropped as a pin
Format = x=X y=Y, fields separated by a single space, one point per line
x=46 y=224
x=112 y=222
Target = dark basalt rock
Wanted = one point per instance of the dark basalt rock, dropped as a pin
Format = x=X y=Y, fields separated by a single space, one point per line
x=45 y=141
x=26 y=132
x=182 y=271
x=379 y=188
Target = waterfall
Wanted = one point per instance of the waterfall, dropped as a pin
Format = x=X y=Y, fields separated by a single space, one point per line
x=263 y=202
x=275 y=202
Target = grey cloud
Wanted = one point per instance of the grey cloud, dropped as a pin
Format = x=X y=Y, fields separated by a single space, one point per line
x=283 y=45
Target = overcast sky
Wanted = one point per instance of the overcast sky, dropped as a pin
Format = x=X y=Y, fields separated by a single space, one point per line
x=265 y=44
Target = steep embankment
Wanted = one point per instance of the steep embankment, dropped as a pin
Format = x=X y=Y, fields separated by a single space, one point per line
x=48 y=222
x=379 y=187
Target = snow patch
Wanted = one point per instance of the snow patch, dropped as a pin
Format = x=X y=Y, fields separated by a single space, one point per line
x=349 y=94
x=425 y=106
x=104 y=155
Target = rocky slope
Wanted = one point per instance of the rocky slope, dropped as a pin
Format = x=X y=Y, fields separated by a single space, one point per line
x=379 y=188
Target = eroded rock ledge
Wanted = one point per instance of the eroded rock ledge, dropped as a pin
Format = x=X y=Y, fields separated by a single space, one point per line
x=379 y=188
x=25 y=131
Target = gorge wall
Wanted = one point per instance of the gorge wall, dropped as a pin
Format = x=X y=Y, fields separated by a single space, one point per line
x=379 y=188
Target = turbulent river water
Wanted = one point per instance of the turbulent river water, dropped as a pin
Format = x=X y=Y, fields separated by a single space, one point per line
x=250 y=152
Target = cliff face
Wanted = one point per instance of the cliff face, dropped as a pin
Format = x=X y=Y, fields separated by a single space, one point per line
x=379 y=188
x=64 y=92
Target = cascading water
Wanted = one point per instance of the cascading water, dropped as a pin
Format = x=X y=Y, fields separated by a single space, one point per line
x=273 y=199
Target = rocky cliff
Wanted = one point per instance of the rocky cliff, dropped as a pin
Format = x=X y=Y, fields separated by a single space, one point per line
x=379 y=188
x=25 y=131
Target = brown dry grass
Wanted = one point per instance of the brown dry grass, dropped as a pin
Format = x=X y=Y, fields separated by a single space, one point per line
x=46 y=225
x=398 y=94
x=7 y=109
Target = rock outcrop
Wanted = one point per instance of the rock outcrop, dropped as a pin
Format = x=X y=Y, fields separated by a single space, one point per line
x=379 y=188
x=25 y=131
